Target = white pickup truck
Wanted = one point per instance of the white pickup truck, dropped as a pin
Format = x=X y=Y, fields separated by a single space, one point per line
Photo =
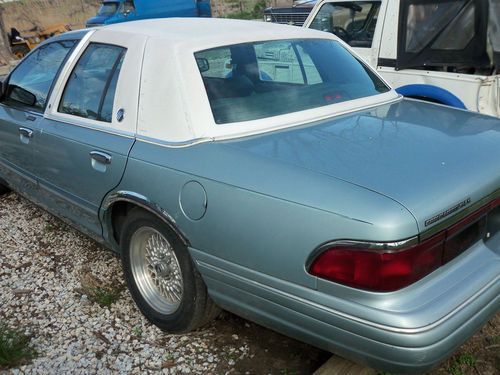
x=444 y=51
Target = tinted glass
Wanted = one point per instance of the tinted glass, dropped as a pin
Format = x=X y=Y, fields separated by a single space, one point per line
x=352 y=21
x=278 y=62
x=36 y=73
x=257 y=80
x=93 y=77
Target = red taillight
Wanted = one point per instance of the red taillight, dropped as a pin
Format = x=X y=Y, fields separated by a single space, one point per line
x=378 y=270
x=386 y=270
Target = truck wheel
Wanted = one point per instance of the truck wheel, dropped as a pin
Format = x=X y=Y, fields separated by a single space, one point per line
x=20 y=50
x=161 y=276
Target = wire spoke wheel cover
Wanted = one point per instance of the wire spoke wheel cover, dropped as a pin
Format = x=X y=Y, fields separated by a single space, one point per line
x=156 y=270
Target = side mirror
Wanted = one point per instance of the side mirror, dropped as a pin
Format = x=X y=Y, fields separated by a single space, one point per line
x=127 y=12
x=203 y=64
x=22 y=96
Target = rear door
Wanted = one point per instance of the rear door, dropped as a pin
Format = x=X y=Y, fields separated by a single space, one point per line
x=21 y=111
x=89 y=128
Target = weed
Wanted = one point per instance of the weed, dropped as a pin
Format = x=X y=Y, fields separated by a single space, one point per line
x=169 y=356
x=137 y=330
x=102 y=292
x=15 y=347
x=467 y=359
x=49 y=227
x=105 y=297
x=463 y=360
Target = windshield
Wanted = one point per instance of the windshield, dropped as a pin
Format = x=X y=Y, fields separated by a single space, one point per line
x=352 y=21
x=257 y=80
x=107 y=9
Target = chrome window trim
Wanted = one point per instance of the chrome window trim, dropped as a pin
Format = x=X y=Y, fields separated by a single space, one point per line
x=178 y=144
x=73 y=121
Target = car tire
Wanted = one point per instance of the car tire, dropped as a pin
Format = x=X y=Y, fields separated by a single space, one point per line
x=3 y=189
x=161 y=276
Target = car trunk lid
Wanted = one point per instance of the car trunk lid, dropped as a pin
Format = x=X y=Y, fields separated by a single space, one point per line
x=434 y=160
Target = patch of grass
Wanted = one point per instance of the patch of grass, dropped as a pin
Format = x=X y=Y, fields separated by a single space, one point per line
x=49 y=228
x=105 y=297
x=102 y=292
x=467 y=359
x=495 y=339
x=15 y=347
x=461 y=364
x=137 y=330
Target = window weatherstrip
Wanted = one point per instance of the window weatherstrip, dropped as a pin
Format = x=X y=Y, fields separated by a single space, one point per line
x=56 y=77
x=301 y=64
x=108 y=83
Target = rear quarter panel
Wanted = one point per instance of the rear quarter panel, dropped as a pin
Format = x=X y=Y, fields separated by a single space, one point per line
x=263 y=216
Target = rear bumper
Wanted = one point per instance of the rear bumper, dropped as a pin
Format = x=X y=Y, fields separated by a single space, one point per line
x=409 y=331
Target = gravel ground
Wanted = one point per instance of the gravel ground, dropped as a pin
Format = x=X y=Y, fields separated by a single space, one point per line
x=48 y=277
x=47 y=268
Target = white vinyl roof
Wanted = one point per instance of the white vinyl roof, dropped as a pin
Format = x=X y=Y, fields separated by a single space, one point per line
x=173 y=103
x=213 y=31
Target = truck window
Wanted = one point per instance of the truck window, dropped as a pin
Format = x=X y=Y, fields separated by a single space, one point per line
x=444 y=35
x=108 y=9
x=128 y=6
x=90 y=89
x=352 y=21
x=425 y=25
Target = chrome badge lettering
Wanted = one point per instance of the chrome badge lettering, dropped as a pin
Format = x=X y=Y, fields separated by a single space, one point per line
x=448 y=212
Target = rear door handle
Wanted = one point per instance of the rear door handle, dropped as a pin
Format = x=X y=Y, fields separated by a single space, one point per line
x=25 y=135
x=25 y=132
x=30 y=117
x=100 y=157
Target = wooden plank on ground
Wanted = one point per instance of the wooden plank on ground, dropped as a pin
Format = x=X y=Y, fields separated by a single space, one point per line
x=339 y=366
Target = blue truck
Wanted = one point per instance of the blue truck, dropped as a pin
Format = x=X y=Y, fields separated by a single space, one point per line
x=114 y=11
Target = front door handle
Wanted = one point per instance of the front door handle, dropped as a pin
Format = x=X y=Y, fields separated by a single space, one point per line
x=100 y=157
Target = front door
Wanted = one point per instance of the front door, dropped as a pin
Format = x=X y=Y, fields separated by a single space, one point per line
x=89 y=127
x=21 y=109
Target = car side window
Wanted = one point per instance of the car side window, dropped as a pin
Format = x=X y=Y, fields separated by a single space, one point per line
x=30 y=83
x=91 y=87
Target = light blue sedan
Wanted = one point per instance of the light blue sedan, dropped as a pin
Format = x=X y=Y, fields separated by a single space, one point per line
x=266 y=170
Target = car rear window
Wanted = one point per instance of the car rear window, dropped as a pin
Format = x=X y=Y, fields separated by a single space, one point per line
x=252 y=81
